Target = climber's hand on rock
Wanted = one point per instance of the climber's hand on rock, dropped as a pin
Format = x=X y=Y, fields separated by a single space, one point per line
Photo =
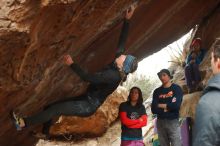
x=68 y=59
x=130 y=11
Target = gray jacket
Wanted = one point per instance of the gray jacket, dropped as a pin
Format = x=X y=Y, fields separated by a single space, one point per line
x=207 y=122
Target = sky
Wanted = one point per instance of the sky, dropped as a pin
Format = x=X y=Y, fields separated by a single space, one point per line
x=159 y=60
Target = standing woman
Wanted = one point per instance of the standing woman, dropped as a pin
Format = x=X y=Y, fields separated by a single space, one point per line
x=133 y=117
x=102 y=84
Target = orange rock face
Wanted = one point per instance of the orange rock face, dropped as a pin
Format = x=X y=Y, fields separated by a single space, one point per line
x=34 y=34
x=94 y=125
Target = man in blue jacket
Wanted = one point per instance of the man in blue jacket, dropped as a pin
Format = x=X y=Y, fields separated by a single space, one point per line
x=207 y=122
x=166 y=104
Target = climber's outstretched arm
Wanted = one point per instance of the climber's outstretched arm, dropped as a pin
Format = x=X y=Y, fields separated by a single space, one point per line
x=124 y=31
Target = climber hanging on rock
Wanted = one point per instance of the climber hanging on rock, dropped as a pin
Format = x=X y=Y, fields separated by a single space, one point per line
x=102 y=84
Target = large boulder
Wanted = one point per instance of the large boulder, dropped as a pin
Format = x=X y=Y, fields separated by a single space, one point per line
x=189 y=103
x=94 y=125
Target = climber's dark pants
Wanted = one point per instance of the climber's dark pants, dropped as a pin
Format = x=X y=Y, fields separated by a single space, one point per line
x=192 y=74
x=82 y=108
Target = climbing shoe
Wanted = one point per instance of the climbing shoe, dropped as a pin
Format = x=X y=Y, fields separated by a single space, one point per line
x=17 y=121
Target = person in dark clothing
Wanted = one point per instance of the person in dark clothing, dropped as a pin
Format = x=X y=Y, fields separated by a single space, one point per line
x=102 y=84
x=133 y=117
x=192 y=73
x=206 y=130
x=166 y=105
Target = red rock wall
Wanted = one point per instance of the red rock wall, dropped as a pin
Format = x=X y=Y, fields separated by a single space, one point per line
x=35 y=34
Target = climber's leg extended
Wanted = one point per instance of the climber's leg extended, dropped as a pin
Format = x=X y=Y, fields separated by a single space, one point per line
x=80 y=108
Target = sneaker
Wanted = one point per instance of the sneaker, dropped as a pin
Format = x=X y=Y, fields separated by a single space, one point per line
x=17 y=121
